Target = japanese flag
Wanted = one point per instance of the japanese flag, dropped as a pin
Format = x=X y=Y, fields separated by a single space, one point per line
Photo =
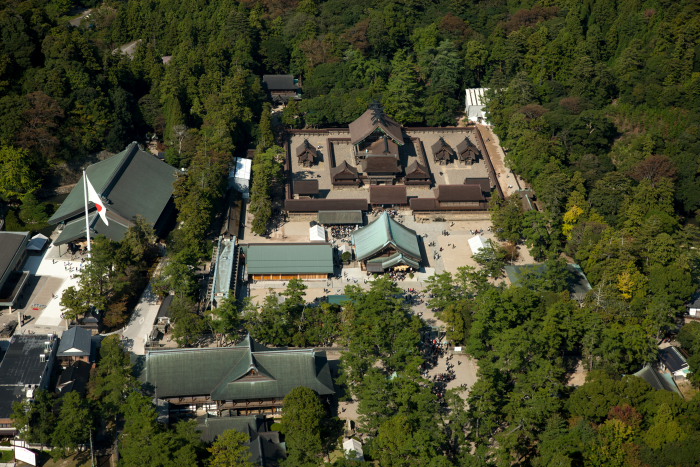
x=95 y=198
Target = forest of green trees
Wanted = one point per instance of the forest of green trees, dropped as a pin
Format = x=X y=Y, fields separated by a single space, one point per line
x=597 y=104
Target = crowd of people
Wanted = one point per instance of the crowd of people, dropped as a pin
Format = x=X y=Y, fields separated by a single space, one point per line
x=342 y=232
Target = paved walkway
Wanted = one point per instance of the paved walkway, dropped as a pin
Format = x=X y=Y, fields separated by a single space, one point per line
x=510 y=183
x=52 y=275
x=141 y=322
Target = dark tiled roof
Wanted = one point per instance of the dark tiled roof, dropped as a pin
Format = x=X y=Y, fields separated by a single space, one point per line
x=388 y=194
x=265 y=446
x=466 y=147
x=381 y=164
x=375 y=118
x=344 y=171
x=458 y=193
x=306 y=187
x=431 y=204
x=483 y=182
x=21 y=363
x=8 y=396
x=75 y=342
x=315 y=205
x=672 y=359
x=279 y=82
x=246 y=371
x=384 y=146
x=12 y=245
x=417 y=170
x=164 y=308
x=306 y=150
x=442 y=150
x=74 y=378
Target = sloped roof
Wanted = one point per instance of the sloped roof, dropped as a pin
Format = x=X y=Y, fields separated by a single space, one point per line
x=375 y=118
x=307 y=148
x=37 y=242
x=382 y=232
x=75 y=342
x=344 y=168
x=386 y=262
x=657 y=380
x=673 y=359
x=306 y=187
x=133 y=182
x=459 y=193
x=12 y=246
x=75 y=229
x=383 y=146
x=467 y=146
x=279 y=82
x=325 y=204
x=265 y=446
x=443 y=149
x=380 y=164
x=340 y=217
x=289 y=258
x=483 y=182
x=246 y=371
x=417 y=170
x=388 y=194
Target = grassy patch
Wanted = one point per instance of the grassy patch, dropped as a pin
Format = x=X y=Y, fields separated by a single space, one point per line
x=7 y=456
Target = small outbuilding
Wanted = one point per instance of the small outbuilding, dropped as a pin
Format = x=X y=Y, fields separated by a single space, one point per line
x=307 y=154
x=417 y=174
x=75 y=345
x=442 y=152
x=344 y=174
x=467 y=152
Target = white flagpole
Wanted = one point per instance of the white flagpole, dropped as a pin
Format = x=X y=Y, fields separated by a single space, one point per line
x=87 y=220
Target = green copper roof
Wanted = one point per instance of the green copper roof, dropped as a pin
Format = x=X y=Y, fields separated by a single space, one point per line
x=383 y=232
x=133 y=182
x=391 y=261
x=249 y=371
x=75 y=229
x=308 y=258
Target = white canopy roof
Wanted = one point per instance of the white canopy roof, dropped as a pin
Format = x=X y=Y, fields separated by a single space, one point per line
x=477 y=244
x=317 y=234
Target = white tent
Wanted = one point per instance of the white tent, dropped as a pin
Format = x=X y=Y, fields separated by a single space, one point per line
x=317 y=234
x=352 y=445
x=37 y=242
x=239 y=176
x=474 y=105
x=477 y=244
